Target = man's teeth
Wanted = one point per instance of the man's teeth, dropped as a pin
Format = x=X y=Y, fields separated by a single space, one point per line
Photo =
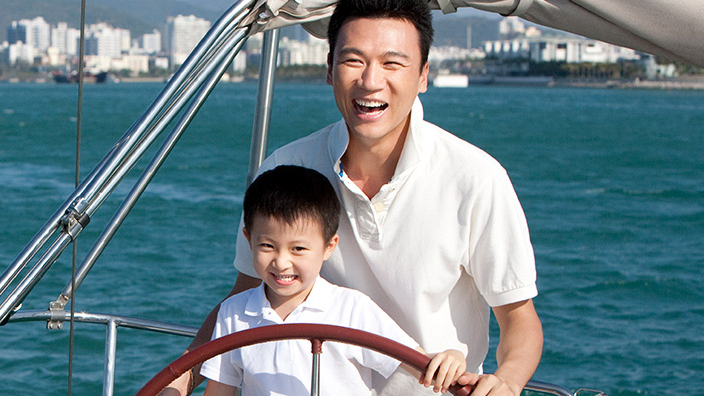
x=370 y=105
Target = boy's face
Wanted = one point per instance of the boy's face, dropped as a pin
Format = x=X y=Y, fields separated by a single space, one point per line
x=288 y=257
x=376 y=71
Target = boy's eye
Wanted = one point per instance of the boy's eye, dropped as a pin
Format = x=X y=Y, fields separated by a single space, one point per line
x=299 y=248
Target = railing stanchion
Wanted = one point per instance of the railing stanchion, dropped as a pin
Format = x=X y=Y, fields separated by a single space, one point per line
x=110 y=351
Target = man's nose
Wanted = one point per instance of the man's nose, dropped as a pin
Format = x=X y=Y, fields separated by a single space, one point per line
x=372 y=77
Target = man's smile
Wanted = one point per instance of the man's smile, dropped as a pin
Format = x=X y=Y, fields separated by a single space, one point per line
x=366 y=106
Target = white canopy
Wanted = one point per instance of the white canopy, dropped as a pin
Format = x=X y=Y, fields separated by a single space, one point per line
x=671 y=28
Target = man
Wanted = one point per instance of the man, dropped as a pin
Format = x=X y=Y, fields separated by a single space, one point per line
x=432 y=229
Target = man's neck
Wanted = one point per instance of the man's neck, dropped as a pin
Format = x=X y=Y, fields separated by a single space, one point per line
x=372 y=166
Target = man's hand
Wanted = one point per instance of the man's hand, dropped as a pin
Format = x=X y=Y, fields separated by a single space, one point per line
x=179 y=387
x=446 y=368
x=489 y=384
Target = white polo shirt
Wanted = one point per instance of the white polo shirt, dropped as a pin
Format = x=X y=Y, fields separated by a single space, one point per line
x=443 y=241
x=284 y=367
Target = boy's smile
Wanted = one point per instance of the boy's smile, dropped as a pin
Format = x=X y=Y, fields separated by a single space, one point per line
x=288 y=258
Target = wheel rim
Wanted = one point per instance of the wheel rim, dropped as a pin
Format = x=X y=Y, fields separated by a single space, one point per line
x=316 y=333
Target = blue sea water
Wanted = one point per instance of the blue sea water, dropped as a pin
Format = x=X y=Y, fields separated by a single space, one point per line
x=612 y=183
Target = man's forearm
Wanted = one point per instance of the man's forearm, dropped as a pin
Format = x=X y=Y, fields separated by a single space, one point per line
x=520 y=344
x=185 y=384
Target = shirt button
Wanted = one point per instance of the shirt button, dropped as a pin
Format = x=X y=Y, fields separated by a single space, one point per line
x=379 y=206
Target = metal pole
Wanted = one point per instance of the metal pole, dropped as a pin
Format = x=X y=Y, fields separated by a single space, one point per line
x=265 y=97
x=121 y=150
x=154 y=166
x=110 y=351
x=315 y=380
x=316 y=346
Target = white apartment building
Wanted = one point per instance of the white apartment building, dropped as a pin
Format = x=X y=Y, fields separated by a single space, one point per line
x=311 y=52
x=183 y=34
x=65 y=39
x=34 y=32
x=150 y=43
x=571 y=50
x=105 y=40
x=21 y=52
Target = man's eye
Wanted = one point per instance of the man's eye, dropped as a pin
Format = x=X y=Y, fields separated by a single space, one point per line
x=393 y=65
x=352 y=61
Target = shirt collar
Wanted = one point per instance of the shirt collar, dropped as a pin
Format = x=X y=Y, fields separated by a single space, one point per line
x=412 y=148
x=318 y=299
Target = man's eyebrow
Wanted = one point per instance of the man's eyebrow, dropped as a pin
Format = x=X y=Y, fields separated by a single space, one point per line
x=357 y=51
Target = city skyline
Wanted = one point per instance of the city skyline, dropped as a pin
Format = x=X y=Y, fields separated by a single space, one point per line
x=48 y=46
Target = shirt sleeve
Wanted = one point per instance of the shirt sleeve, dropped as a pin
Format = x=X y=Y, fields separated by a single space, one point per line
x=502 y=261
x=222 y=368
x=374 y=320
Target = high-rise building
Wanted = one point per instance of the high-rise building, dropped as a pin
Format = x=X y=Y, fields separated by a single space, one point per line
x=65 y=39
x=183 y=34
x=151 y=42
x=33 y=32
x=105 y=40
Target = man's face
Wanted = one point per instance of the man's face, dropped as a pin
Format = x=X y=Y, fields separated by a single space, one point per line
x=376 y=73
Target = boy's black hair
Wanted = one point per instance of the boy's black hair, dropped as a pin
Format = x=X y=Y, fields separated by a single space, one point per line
x=416 y=12
x=290 y=193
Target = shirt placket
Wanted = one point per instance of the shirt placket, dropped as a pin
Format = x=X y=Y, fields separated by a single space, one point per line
x=369 y=214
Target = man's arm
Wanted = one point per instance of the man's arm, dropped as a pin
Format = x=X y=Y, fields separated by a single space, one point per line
x=518 y=353
x=184 y=384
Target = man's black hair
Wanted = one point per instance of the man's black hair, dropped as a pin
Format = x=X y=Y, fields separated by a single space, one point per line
x=290 y=193
x=416 y=12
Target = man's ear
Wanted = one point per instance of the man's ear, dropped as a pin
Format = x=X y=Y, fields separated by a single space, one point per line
x=329 y=73
x=424 y=78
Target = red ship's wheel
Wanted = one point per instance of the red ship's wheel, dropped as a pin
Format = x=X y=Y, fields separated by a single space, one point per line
x=316 y=333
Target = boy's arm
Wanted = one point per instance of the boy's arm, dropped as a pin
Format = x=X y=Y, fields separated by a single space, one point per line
x=444 y=369
x=518 y=353
x=215 y=388
x=185 y=384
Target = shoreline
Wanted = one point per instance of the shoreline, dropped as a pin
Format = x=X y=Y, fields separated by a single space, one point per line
x=682 y=83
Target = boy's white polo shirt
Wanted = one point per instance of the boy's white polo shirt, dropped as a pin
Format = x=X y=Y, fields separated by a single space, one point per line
x=284 y=367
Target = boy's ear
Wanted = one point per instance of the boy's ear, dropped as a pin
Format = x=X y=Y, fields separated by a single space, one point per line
x=246 y=234
x=331 y=245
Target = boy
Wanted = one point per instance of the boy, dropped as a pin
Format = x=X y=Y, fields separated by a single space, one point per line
x=291 y=215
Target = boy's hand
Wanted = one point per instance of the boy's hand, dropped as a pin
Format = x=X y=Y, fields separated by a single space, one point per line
x=446 y=367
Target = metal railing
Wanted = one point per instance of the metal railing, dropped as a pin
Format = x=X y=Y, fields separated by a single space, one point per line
x=185 y=93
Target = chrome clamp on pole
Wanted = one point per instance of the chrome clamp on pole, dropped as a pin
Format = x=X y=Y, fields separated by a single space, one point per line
x=75 y=219
x=56 y=315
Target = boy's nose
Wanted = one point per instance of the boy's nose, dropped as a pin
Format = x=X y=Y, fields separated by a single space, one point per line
x=281 y=262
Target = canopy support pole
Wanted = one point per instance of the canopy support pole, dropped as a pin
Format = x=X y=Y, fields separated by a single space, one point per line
x=265 y=97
